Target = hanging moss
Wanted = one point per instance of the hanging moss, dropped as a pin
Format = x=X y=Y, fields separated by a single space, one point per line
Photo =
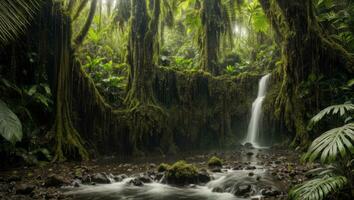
x=306 y=51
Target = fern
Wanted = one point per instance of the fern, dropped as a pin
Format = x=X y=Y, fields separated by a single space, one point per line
x=319 y=188
x=335 y=109
x=15 y=15
x=331 y=143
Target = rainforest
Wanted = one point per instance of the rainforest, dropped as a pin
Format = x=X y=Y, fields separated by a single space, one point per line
x=177 y=99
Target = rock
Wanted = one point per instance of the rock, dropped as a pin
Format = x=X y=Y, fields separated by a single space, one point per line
x=163 y=167
x=136 y=182
x=76 y=183
x=203 y=177
x=14 y=178
x=86 y=179
x=216 y=169
x=269 y=192
x=243 y=190
x=277 y=162
x=250 y=153
x=215 y=162
x=4 y=187
x=145 y=179
x=101 y=178
x=218 y=190
x=292 y=174
x=24 y=189
x=152 y=165
x=159 y=176
x=181 y=174
x=250 y=168
x=55 y=181
x=248 y=145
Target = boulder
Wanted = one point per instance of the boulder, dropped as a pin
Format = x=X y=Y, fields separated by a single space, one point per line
x=248 y=145
x=243 y=190
x=215 y=162
x=136 y=182
x=24 y=189
x=145 y=179
x=181 y=174
x=101 y=178
x=55 y=181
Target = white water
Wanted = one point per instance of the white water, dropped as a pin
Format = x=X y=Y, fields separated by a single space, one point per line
x=253 y=127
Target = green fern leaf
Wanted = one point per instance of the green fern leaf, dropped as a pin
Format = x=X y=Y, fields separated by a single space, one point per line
x=318 y=189
x=331 y=144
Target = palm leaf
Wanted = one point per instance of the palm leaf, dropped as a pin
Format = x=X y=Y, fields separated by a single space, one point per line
x=10 y=125
x=335 y=109
x=318 y=189
x=329 y=145
x=15 y=15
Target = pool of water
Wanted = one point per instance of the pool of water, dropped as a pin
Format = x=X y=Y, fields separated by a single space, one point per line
x=225 y=183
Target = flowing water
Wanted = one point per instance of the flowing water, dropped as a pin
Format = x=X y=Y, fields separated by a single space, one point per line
x=223 y=186
x=227 y=181
x=254 y=124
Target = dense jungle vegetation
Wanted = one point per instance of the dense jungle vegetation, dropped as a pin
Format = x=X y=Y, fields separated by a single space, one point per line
x=86 y=81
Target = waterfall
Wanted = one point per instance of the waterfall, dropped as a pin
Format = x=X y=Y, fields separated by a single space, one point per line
x=253 y=127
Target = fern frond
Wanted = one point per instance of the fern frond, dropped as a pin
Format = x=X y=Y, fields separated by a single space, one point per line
x=332 y=110
x=15 y=15
x=318 y=189
x=329 y=145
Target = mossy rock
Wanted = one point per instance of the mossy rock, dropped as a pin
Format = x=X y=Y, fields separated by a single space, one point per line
x=163 y=167
x=215 y=162
x=181 y=173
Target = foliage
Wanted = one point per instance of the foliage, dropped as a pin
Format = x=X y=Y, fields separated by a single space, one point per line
x=181 y=173
x=215 y=161
x=319 y=188
x=163 y=167
x=334 y=146
x=10 y=125
x=15 y=15
x=341 y=109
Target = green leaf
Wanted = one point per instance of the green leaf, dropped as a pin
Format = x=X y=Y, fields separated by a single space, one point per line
x=332 y=144
x=32 y=90
x=10 y=125
x=319 y=188
x=15 y=15
x=342 y=109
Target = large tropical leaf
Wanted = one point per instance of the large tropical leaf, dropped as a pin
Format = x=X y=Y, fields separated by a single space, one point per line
x=331 y=144
x=10 y=125
x=335 y=109
x=15 y=15
x=318 y=189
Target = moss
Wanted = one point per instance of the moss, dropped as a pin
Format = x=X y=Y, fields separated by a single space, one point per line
x=163 y=167
x=215 y=162
x=182 y=173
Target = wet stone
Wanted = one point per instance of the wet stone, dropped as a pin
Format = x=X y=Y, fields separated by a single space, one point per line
x=24 y=188
x=243 y=190
x=55 y=181
x=101 y=178
x=136 y=182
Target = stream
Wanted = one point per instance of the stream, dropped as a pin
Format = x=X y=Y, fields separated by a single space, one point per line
x=250 y=180
x=251 y=177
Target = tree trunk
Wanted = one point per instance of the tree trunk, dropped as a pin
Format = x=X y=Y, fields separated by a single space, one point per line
x=211 y=19
x=306 y=51
x=141 y=52
x=67 y=140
